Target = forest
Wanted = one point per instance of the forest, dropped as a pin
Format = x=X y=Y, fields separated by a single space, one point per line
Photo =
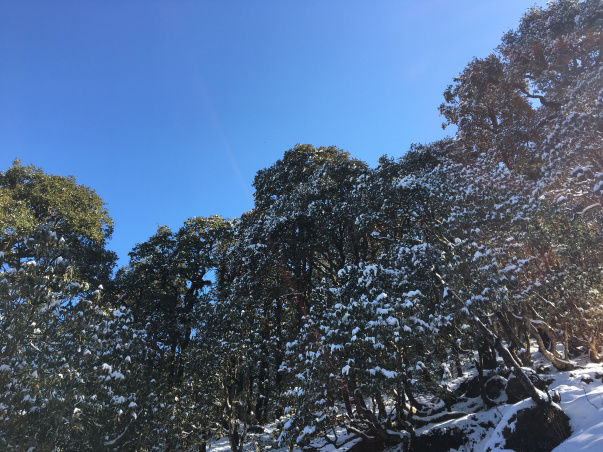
x=351 y=306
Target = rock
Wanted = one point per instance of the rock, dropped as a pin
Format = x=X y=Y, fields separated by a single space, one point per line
x=516 y=392
x=495 y=386
x=471 y=387
x=366 y=445
x=537 y=429
x=255 y=429
x=439 y=440
x=575 y=351
x=379 y=441
x=543 y=369
x=467 y=387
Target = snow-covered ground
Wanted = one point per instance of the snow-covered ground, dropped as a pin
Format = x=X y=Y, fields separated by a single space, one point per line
x=583 y=403
x=581 y=392
x=581 y=399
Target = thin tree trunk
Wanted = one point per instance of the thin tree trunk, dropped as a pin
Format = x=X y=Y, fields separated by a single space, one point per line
x=593 y=354
x=381 y=406
x=527 y=358
x=479 y=364
x=555 y=360
x=536 y=395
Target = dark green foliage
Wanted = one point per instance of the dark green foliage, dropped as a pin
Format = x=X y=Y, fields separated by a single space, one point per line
x=68 y=360
x=30 y=198
x=168 y=276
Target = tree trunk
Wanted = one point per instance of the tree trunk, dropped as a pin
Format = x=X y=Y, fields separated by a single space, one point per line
x=527 y=357
x=479 y=364
x=593 y=351
x=400 y=401
x=487 y=356
x=510 y=335
x=381 y=406
x=536 y=395
x=557 y=361
x=565 y=344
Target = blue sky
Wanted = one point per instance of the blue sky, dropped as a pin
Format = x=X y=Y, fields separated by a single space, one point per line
x=168 y=108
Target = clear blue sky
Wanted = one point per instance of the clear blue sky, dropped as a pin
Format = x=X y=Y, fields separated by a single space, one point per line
x=168 y=108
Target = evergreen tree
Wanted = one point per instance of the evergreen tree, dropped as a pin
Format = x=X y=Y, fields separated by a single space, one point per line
x=67 y=365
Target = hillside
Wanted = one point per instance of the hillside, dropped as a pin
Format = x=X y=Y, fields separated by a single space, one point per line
x=451 y=298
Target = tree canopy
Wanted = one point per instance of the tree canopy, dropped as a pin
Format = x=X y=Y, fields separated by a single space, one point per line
x=347 y=299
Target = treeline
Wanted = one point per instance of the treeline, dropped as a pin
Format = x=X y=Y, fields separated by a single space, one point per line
x=343 y=295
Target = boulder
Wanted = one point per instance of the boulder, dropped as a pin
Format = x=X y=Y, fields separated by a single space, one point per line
x=439 y=440
x=495 y=387
x=537 y=429
x=470 y=388
x=516 y=392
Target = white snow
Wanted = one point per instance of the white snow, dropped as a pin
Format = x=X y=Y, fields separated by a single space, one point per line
x=583 y=403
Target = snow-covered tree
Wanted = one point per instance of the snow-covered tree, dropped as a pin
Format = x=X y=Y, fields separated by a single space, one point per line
x=67 y=362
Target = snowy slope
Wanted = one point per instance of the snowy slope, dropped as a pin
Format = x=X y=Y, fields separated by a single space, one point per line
x=581 y=392
x=580 y=400
x=583 y=403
